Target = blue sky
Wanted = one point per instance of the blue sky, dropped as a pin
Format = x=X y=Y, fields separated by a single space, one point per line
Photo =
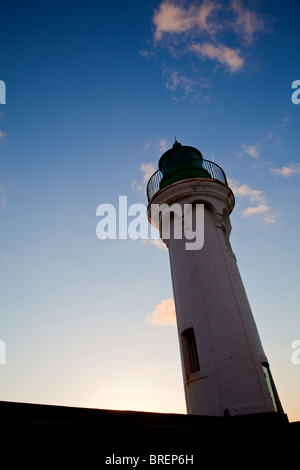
x=95 y=92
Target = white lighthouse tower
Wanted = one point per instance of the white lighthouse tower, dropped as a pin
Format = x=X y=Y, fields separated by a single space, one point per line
x=225 y=370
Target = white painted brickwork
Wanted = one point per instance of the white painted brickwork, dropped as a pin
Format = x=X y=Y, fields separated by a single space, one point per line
x=210 y=298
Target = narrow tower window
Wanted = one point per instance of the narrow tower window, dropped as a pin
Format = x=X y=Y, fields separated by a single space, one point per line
x=191 y=360
x=271 y=387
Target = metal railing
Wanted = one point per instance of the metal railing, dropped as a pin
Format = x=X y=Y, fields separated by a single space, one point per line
x=214 y=170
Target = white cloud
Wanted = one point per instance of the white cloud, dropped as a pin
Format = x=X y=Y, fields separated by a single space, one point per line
x=251 y=150
x=261 y=209
x=173 y=80
x=158 y=143
x=179 y=24
x=247 y=23
x=202 y=28
x=147 y=170
x=192 y=85
x=173 y=19
x=163 y=314
x=163 y=145
x=286 y=171
x=243 y=190
x=147 y=53
x=2 y=135
x=231 y=58
x=176 y=79
x=263 y=212
x=157 y=242
x=209 y=18
x=270 y=218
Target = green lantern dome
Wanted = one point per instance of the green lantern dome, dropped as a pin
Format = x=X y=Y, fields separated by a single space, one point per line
x=181 y=162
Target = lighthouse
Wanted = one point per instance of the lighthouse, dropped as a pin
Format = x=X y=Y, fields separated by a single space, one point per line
x=225 y=370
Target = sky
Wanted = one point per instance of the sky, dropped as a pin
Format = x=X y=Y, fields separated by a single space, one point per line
x=94 y=93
